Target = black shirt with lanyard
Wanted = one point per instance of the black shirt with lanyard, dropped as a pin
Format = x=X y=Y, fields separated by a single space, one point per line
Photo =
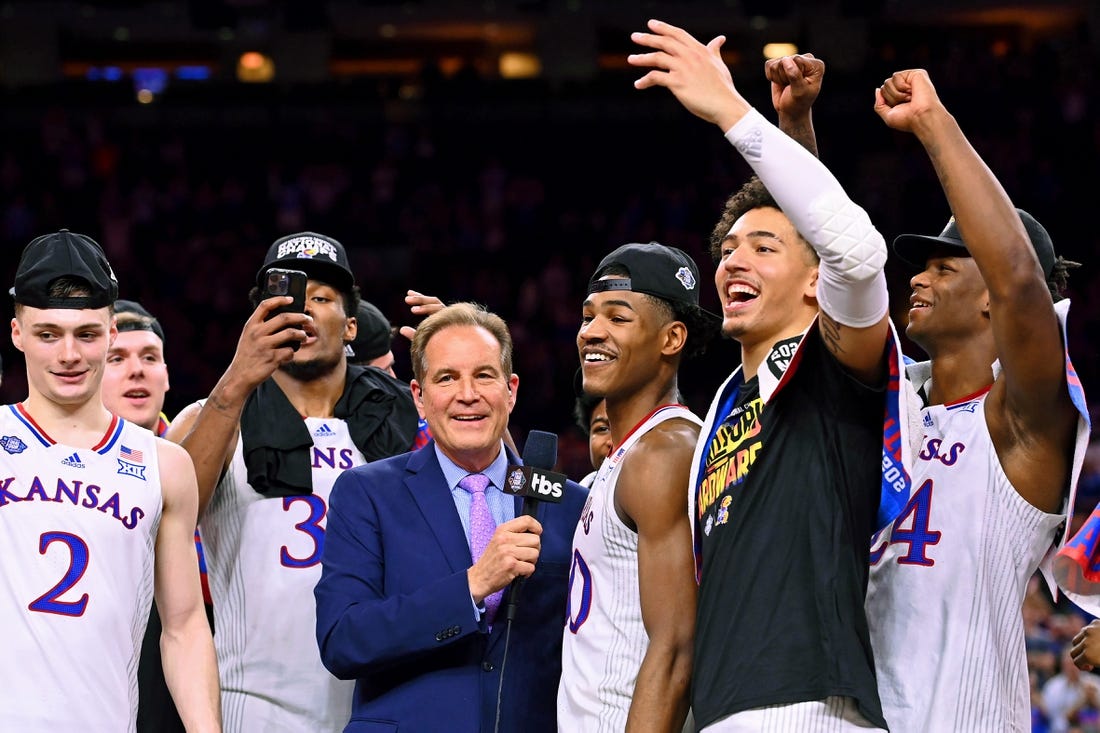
x=786 y=509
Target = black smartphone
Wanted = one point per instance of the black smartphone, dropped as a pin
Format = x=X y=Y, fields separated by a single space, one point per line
x=279 y=282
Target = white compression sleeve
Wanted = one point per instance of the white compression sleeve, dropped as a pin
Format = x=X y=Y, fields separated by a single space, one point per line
x=851 y=285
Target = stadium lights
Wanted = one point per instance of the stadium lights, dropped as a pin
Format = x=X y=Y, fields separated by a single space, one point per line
x=519 y=65
x=778 y=50
x=255 y=67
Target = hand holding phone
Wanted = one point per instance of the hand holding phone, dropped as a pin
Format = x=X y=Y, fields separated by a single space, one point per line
x=279 y=282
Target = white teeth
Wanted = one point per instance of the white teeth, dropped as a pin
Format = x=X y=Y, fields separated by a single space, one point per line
x=738 y=289
x=597 y=357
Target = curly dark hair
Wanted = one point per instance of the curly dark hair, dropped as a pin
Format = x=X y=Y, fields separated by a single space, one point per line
x=751 y=195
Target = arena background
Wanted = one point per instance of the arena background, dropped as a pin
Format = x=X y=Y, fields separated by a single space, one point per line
x=493 y=151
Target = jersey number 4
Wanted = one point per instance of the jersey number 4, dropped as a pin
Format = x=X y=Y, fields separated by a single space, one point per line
x=78 y=562
x=917 y=535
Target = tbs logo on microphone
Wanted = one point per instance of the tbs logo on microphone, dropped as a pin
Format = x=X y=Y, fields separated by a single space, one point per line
x=528 y=482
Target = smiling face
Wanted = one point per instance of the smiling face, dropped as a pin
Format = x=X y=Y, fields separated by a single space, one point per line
x=465 y=394
x=65 y=350
x=136 y=378
x=949 y=301
x=323 y=350
x=621 y=342
x=766 y=279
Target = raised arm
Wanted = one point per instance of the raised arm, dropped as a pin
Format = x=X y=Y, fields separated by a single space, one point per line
x=796 y=82
x=209 y=430
x=1031 y=417
x=651 y=493
x=187 y=648
x=851 y=289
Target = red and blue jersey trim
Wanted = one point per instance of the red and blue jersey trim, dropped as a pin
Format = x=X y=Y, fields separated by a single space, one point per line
x=110 y=437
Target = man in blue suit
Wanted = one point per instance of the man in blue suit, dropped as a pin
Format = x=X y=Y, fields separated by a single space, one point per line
x=404 y=606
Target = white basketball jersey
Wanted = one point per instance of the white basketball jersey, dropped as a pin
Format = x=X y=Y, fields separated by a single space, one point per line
x=947 y=585
x=263 y=557
x=604 y=640
x=78 y=528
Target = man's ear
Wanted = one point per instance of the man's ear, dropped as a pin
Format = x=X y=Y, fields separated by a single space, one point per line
x=811 y=288
x=676 y=336
x=16 y=334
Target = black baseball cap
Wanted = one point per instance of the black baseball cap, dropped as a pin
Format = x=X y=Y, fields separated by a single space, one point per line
x=914 y=249
x=132 y=306
x=654 y=269
x=373 y=336
x=64 y=254
x=320 y=257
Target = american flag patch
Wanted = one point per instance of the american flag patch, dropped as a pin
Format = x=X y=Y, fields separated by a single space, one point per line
x=134 y=456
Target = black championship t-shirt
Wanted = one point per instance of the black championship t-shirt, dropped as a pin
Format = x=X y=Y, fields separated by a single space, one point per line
x=787 y=511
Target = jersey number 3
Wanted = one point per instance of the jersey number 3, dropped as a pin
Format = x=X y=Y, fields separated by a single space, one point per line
x=311 y=527
x=917 y=536
x=78 y=562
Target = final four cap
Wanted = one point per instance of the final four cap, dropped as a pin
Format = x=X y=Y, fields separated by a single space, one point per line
x=320 y=257
x=654 y=269
x=373 y=335
x=64 y=254
x=914 y=249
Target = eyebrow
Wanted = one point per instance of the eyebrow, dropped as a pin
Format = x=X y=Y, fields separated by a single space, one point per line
x=755 y=234
x=93 y=326
x=617 y=302
x=147 y=349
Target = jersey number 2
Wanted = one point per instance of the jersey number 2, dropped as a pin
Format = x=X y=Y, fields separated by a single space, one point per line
x=78 y=563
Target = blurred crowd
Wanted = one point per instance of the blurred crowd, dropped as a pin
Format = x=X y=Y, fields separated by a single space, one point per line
x=505 y=193
x=495 y=191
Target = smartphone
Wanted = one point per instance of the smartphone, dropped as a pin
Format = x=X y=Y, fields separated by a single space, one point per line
x=279 y=282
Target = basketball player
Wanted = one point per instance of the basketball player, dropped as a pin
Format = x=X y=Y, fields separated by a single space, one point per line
x=135 y=384
x=97 y=515
x=373 y=337
x=590 y=415
x=1004 y=435
x=278 y=428
x=626 y=654
x=787 y=477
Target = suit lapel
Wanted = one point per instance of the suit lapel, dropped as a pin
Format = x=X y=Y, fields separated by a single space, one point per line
x=432 y=495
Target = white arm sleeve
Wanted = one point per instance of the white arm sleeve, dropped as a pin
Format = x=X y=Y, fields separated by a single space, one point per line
x=851 y=285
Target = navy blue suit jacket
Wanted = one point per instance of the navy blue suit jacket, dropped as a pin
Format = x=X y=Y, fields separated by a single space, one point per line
x=394 y=609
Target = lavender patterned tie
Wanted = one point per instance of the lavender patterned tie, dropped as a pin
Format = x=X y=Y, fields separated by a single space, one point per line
x=482 y=526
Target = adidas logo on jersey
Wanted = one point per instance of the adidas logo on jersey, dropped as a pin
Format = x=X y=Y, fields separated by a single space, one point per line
x=324 y=431
x=73 y=461
x=752 y=145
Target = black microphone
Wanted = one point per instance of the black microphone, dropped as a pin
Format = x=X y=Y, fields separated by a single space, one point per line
x=534 y=481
